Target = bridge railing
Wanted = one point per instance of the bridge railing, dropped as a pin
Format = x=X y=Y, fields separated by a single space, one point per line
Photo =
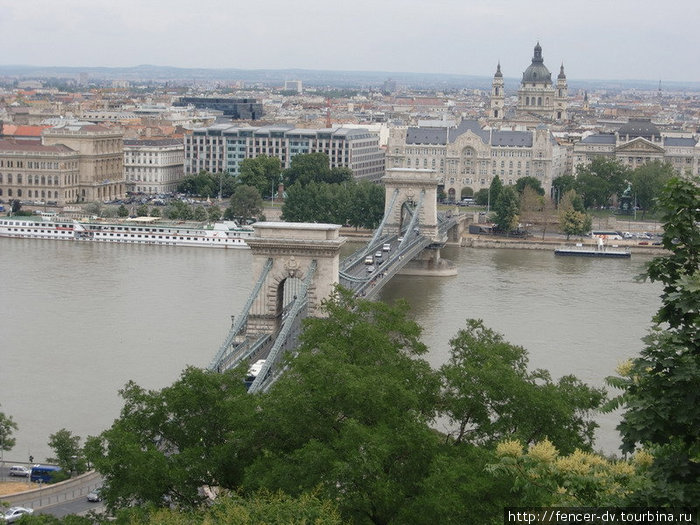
x=272 y=362
x=240 y=323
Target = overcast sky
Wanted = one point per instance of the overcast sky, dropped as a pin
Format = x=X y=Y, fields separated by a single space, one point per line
x=596 y=39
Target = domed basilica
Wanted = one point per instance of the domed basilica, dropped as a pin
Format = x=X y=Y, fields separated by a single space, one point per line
x=538 y=99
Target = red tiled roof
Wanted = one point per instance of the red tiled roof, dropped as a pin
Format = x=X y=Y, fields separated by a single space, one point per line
x=22 y=131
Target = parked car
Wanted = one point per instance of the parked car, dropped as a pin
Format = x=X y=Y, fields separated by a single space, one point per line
x=20 y=471
x=15 y=513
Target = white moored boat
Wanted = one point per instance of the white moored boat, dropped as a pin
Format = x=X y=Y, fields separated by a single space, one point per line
x=227 y=234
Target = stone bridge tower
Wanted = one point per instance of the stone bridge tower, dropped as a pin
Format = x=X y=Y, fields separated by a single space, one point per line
x=411 y=185
x=292 y=248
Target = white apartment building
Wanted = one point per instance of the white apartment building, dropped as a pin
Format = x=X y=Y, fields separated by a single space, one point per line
x=222 y=147
x=153 y=166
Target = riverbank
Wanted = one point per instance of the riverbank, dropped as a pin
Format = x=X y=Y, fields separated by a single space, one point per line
x=529 y=243
x=491 y=241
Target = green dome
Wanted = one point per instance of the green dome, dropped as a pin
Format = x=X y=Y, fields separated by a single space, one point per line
x=537 y=71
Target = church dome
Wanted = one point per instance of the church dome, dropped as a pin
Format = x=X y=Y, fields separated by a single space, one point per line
x=537 y=71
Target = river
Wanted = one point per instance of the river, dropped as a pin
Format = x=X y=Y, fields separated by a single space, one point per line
x=79 y=320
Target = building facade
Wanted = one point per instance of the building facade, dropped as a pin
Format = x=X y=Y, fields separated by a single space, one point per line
x=32 y=172
x=101 y=154
x=222 y=148
x=467 y=157
x=69 y=163
x=153 y=166
x=638 y=142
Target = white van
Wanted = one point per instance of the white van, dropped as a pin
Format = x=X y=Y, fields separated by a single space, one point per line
x=386 y=248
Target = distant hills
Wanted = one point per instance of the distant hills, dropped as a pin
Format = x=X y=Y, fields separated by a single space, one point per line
x=311 y=78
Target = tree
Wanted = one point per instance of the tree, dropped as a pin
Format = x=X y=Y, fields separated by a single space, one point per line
x=199 y=214
x=660 y=388
x=261 y=172
x=600 y=180
x=506 y=208
x=529 y=182
x=214 y=213
x=647 y=182
x=69 y=455
x=562 y=185
x=122 y=211
x=543 y=476
x=531 y=205
x=340 y=174
x=350 y=416
x=15 y=206
x=142 y=211
x=572 y=222
x=168 y=444
x=489 y=394
x=494 y=190
x=481 y=197
x=178 y=210
x=246 y=202
x=308 y=167
x=7 y=427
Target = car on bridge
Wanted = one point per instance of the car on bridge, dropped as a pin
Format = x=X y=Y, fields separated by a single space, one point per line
x=370 y=269
x=369 y=260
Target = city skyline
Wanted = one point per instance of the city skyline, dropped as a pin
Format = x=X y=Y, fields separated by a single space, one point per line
x=619 y=41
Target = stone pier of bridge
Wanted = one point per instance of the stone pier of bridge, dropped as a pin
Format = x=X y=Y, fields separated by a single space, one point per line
x=292 y=247
x=416 y=186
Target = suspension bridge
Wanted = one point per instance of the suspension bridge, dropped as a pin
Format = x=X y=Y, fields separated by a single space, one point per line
x=298 y=265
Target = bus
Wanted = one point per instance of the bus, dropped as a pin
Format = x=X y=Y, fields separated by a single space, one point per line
x=43 y=473
x=606 y=235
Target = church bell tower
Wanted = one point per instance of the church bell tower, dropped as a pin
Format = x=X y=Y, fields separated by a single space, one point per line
x=497 y=96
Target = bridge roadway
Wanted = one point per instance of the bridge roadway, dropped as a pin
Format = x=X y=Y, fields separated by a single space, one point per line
x=364 y=280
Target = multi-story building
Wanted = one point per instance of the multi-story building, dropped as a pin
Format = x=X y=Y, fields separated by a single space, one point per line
x=69 y=163
x=638 y=142
x=101 y=154
x=153 y=165
x=30 y=171
x=222 y=148
x=468 y=157
x=538 y=98
x=235 y=108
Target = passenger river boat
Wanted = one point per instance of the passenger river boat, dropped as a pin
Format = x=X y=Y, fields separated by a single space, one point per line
x=146 y=230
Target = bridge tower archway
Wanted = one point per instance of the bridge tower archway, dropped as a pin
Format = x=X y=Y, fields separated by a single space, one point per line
x=413 y=186
x=295 y=251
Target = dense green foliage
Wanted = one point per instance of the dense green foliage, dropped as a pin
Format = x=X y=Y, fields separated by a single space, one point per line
x=601 y=180
x=207 y=184
x=359 y=204
x=246 y=203
x=68 y=452
x=660 y=388
x=531 y=182
x=489 y=395
x=506 y=208
x=261 y=172
x=314 y=167
x=648 y=181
